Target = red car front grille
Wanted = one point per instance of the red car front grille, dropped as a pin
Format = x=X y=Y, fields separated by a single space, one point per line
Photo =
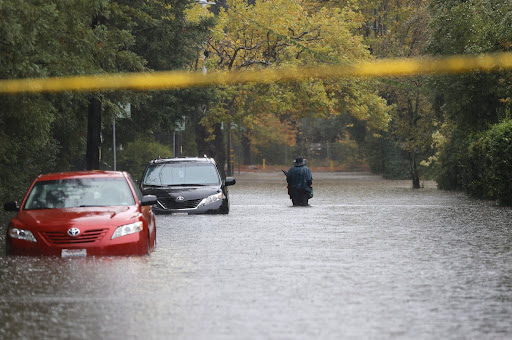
x=59 y=238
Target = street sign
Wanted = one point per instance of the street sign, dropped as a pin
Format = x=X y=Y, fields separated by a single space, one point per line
x=126 y=110
x=180 y=124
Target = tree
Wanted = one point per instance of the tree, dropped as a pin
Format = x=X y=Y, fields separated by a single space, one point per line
x=168 y=35
x=400 y=29
x=471 y=103
x=48 y=132
x=289 y=34
x=412 y=125
x=30 y=144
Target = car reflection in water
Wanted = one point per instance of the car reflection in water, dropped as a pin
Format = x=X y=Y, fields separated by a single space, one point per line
x=186 y=185
x=77 y=214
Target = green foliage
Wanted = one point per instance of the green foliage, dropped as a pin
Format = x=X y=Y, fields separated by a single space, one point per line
x=44 y=133
x=449 y=164
x=346 y=153
x=25 y=120
x=26 y=147
x=400 y=29
x=487 y=170
x=385 y=158
x=470 y=103
x=136 y=155
x=167 y=40
x=309 y=33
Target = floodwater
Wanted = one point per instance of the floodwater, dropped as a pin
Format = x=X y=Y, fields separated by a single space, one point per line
x=368 y=259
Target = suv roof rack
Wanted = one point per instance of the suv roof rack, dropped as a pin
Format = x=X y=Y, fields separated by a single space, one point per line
x=182 y=159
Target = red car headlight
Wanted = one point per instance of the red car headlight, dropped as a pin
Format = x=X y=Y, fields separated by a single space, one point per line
x=127 y=229
x=22 y=234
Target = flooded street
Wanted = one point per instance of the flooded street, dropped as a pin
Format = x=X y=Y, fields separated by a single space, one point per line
x=368 y=259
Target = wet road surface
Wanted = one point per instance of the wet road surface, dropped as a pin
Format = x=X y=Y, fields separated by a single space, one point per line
x=368 y=259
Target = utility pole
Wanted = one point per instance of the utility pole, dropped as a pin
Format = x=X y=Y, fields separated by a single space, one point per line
x=93 y=134
x=230 y=151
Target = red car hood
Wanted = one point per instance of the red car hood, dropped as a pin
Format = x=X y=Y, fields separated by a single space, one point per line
x=96 y=217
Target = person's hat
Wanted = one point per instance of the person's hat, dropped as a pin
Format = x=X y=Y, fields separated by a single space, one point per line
x=299 y=161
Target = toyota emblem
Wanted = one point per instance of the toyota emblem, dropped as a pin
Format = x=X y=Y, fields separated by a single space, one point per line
x=74 y=232
x=180 y=198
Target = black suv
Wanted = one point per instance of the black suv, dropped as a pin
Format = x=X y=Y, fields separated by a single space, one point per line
x=186 y=185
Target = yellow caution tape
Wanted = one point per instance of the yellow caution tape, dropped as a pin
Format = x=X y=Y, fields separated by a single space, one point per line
x=183 y=79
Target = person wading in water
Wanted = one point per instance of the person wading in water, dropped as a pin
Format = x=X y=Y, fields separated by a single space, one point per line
x=300 y=180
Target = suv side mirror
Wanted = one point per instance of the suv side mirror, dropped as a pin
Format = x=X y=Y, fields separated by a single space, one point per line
x=230 y=181
x=148 y=200
x=11 y=206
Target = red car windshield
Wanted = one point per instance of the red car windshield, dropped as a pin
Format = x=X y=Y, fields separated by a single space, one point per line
x=79 y=192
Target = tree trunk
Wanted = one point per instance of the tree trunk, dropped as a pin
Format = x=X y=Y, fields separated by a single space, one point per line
x=94 y=117
x=414 y=171
x=229 y=152
x=415 y=181
x=93 y=134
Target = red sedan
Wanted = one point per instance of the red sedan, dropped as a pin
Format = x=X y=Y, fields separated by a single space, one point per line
x=78 y=214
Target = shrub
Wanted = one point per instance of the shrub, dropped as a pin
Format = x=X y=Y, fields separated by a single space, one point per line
x=488 y=169
x=136 y=155
x=450 y=168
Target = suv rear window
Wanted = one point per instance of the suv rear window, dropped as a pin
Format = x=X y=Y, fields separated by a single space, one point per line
x=185 y=173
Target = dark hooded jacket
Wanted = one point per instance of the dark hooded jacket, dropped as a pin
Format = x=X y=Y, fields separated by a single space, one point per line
x=300 y=177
